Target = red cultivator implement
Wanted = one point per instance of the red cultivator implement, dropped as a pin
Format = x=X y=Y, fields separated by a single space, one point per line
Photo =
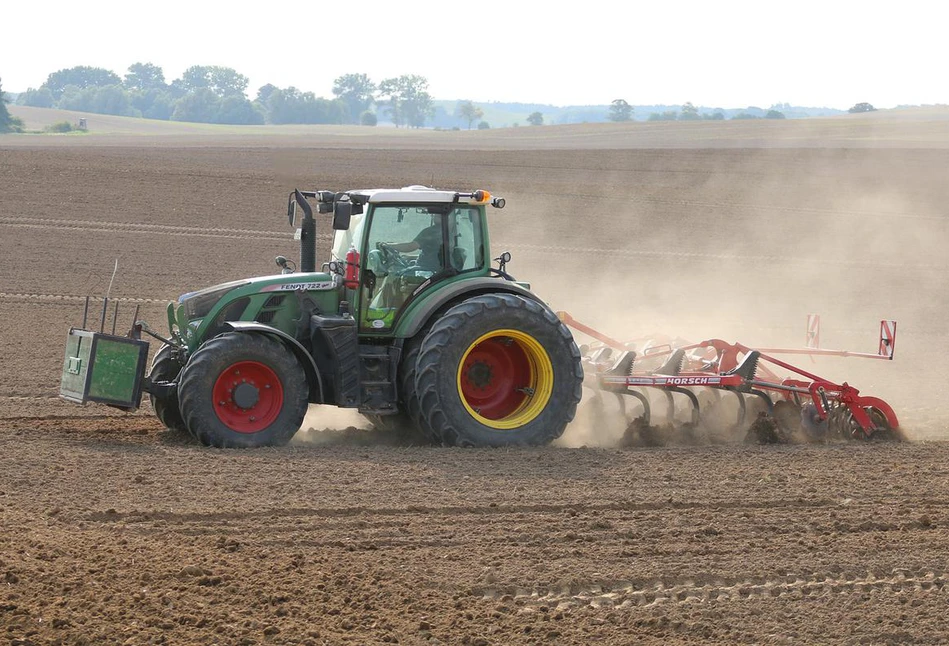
x=800 y=405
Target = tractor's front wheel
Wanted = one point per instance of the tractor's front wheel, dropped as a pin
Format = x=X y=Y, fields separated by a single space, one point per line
x=243 y=390
x=498 y=370
x=165 y=368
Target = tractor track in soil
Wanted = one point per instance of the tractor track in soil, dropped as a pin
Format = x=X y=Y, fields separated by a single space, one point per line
x=624 y=595
x=246 y=234
x=94 y=226
x=71 y=298
x=752 y=211
x=717 y=257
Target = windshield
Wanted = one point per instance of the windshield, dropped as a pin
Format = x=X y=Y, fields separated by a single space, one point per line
x=406 y=246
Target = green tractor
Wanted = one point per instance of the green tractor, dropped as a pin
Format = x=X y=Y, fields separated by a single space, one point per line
x=410 y=324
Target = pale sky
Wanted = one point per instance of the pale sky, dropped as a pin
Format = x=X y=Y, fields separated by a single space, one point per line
x=715 y=53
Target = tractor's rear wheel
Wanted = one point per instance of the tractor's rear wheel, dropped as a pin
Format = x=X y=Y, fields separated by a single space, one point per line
x=498 y=370
x=243 y=390
x=165 y=368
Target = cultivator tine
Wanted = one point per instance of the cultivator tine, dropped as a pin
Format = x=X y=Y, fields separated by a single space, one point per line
x=742 y=408
x=715 y=365
x=644 y=401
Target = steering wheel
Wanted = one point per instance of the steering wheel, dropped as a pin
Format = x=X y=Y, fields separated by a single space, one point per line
x=391 y=258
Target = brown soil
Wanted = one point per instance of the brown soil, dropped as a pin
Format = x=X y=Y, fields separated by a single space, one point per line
x=112 y=530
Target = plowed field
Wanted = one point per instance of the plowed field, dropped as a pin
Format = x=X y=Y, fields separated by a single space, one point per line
x=114 y=531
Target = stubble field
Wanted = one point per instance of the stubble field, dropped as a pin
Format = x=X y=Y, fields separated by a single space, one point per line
x=115 y=532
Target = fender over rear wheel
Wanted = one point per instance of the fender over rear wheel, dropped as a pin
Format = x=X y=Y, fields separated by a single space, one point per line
x=498 y=370
x=243 y=390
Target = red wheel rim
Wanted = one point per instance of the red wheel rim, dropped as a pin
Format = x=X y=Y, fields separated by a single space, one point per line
x=493 y=376
x=248 y=397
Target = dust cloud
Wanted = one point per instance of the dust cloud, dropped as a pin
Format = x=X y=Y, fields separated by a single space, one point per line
x=743 y=248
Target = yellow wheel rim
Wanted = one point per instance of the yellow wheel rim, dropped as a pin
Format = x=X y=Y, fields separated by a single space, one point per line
x=505 y=379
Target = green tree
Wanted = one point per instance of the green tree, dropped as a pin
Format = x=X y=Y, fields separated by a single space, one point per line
x=264 y=93
x=81 y=77
x=408 y=102
x=535 y=118
x=153 y=104
x=41 y=98
x=861 y=107
x=469 y=112
x=239 y=111
x=668 y=115
x=142 y=77
x=6 y=119
x=357 y=92
x=745 y=115
x=77 y=98
x=111 y=99
x=620 y=110
x=368 y=118
x=293 y=106
x=222 y=81
x=200 y=105
x=484 y=125
x=774 y=114
x=689 y=113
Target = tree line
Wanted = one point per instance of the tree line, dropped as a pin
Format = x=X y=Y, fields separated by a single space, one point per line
x=620 y=110
x=213 y=94
x=8 y=123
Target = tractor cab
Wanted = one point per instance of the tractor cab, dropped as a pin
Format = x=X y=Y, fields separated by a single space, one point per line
x=407 y=242
x=408 y=250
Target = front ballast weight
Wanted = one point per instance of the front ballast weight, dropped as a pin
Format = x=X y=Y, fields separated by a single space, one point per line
x=799 y=405
x=103 y=367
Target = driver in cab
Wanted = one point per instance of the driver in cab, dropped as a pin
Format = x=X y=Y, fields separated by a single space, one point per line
x=429 y=244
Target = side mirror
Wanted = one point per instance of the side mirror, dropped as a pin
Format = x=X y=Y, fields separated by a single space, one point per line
x=342 y=214
x=299 y=199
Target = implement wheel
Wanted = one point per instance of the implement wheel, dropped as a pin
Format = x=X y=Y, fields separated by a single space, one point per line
x=243 y=390
x=498 y=370
x=165 y=368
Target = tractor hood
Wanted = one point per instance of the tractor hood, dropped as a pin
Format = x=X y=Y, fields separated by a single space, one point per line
x=198 y=304
x=202 y=312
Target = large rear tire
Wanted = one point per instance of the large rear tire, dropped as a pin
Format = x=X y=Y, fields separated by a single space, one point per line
x=165 y=368
x=243 y=390
x=498 y=370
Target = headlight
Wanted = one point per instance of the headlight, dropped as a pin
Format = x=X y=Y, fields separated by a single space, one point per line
x=198 y=304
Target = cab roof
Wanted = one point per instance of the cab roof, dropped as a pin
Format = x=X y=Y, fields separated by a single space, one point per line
x=415 y=194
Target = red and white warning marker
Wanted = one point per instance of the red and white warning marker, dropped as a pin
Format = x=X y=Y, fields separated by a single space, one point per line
x=812 y=339
x=887 y=339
